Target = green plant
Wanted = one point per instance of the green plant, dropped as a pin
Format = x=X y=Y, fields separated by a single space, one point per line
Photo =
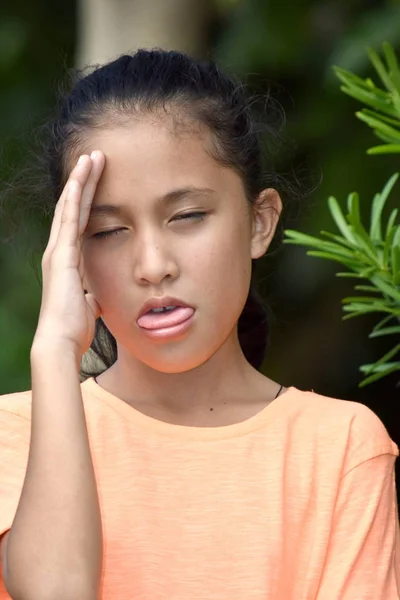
x=373 y=254
x=385 y=118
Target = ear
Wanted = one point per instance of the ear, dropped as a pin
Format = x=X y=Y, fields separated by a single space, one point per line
x=266 y=213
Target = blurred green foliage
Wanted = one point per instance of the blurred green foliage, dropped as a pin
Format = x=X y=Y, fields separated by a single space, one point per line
x=384 y=119
x=373 y=255
x=36 y=44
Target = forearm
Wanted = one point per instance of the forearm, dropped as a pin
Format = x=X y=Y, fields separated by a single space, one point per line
x=55 y=545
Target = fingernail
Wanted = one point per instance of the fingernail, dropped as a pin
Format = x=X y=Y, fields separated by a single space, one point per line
x=81 y=159
x=93 y=154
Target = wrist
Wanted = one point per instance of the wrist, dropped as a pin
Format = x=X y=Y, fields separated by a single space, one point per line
x=49 y=349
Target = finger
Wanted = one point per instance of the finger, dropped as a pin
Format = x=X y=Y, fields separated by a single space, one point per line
x=55 y=225
x=89 y=188
x=79 y=173
x=69 y=223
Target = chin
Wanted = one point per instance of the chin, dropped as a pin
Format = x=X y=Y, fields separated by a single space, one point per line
x=178 y=359
x=180 y=355
x=174 y=365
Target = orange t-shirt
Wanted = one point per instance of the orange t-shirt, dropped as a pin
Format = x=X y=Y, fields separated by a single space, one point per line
x=295 y=503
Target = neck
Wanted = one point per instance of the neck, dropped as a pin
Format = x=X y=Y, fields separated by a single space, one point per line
x=226 y=378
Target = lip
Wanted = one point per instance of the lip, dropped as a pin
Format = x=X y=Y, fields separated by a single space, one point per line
x=161 y=303
x=165 y=333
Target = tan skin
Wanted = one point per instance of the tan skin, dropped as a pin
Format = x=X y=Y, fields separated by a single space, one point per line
x=156 y=253
x=205 y=261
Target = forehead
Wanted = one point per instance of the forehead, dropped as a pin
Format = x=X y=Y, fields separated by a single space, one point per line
x=149 y=156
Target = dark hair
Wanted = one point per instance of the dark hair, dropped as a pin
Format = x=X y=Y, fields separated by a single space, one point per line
x=149 y=81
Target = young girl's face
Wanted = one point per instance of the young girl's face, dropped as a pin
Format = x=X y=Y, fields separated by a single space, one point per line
x=168 y=220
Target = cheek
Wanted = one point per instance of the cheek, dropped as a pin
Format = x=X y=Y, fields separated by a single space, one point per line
x=102 y=275
x=233 y=246
x=224 y=265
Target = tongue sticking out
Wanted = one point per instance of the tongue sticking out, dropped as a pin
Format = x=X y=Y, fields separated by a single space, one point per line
x=161 y=320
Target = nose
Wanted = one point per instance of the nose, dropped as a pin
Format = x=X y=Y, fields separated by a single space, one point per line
x=154 y=261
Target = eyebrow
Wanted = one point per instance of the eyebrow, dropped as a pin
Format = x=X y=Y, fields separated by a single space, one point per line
x=168 y=199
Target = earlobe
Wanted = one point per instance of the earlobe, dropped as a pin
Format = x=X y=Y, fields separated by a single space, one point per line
x=267 y=211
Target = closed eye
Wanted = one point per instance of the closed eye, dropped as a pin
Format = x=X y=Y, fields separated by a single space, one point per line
x=107 y=233
x=191 y=215
x=197 y=215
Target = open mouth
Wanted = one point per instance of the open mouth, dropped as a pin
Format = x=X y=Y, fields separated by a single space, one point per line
x=162 y=309
x=165 y=317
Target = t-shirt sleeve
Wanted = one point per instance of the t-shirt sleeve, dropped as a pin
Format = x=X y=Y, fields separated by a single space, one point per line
x=363 y=556
x=14 y=449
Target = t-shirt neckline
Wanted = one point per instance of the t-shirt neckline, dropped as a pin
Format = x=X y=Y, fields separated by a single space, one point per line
x=156 y=426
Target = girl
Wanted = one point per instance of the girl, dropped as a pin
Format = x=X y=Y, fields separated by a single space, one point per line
x=178 y=471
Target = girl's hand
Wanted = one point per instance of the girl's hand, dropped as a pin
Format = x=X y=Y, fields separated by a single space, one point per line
x=67 y=314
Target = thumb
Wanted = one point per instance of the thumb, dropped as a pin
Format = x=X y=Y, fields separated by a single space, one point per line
x=93 y=305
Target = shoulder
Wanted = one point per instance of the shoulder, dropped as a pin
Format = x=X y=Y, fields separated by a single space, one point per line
x=16 y=413
x=16 y=406
x=15 y=427
x=337 y=426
